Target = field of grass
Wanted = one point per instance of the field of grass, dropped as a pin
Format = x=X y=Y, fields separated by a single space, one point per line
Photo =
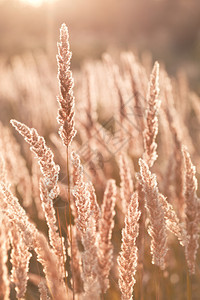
x=99 y=171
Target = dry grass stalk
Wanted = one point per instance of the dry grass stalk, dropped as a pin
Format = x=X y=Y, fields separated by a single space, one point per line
x=20 y=258
x=157 y=227
x=35 y=240
x=3 y=172
x=76 y=261
x=106 y=224
x=35 y=179
x=14 y=162
x=51 y=267
x=191 y=211
x=4 y=277
x=90 y=247
x=42 y=287
x=81 y=195
x=16 y=214
x=127 y=259
x=66 y=83
x=172 y=221
x=49 y=189
x=44 y=154
x=141 y=237
x=87 y=212
x=82 y=188
x=94 y=206
x=126 y=184
x=151 y=128
x=90 y=262
x=55 y=239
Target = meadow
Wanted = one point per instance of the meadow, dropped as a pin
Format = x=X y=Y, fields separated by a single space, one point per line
x=98 y=179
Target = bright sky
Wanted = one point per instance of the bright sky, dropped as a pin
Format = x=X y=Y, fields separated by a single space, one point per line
x=36 y=2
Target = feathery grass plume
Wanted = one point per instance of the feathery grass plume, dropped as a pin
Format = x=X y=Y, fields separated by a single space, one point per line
x=76 y=261
x=128 y=256
x=4 y=279
x=66 y=84
x=35 y=179
x=42 y=287
x=77 y=175
x=192 y=219
x=151 y=127
x=141 y=237
x=3 y=173
x=126 y=184
x=94 y=206
x=20 y=258
x=88 y=188
x=50 y=264
x=44 y=154
x=87 y=218
x=81 y=195
x=172 y=221
x=90 y=261
x=157 y=227
x=14 y=162
x=34 y=240
x=84 y=194
x=106 y=224
x=47 y=205
x=15 y=213
x=49 y=189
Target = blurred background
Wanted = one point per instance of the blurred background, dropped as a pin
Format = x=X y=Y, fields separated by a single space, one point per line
x=163 y=30
x=168 y=29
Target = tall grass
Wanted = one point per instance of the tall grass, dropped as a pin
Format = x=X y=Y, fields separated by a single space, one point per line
x=112 y=212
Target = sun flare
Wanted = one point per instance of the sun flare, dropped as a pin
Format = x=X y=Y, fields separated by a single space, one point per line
x=36 y=2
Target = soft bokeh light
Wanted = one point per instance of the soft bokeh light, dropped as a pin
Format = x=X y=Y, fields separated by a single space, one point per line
x=169 y=30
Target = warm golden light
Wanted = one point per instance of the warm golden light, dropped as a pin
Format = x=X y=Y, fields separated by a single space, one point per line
x=36 y=2
x=33 y=2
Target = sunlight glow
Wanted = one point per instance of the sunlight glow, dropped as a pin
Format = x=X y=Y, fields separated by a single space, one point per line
x=36 y=2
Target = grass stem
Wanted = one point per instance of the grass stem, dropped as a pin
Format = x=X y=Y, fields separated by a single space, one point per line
x=70 y=219
x=189 y=287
